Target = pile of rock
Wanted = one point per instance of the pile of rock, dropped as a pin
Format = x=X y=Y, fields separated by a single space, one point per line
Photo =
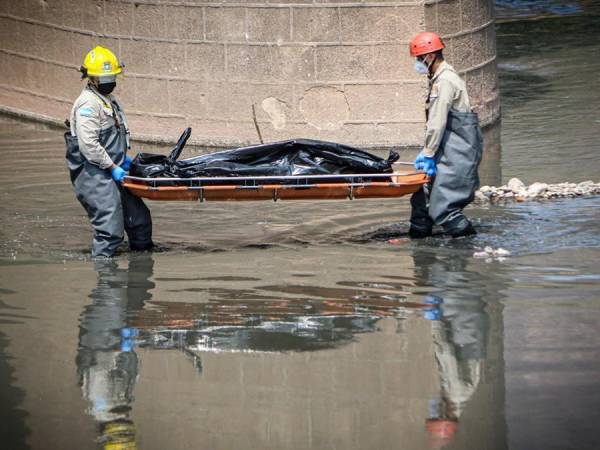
x=516 y=190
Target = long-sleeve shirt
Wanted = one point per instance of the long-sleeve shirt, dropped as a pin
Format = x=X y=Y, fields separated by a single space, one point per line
x=447 y=90
x=92 y=113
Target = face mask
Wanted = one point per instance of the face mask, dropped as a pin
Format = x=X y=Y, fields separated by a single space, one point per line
x=106 y=88
x=422 y=67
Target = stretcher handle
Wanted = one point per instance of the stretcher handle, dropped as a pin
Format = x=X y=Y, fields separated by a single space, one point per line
x=176 y=152
x=280 y=177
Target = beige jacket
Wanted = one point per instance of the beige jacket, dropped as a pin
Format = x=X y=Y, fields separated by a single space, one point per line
x=92 y=114
x=447 y=90
x=458 y=380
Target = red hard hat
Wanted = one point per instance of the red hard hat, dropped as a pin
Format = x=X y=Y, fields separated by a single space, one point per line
x=441 y=431
x=426 y=42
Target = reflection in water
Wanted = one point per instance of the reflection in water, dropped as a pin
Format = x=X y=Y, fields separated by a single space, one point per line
x=285 y=318
x=107 y=366
x=490 y=169
x=460 y=335
x=550 y=90
x=356 y=363
x=13 y=430
x=269 y=318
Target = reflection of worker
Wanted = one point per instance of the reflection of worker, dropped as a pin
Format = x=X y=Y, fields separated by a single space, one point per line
x=459 y=329
x=107 y=366
x=453 y=146
x=97 y=161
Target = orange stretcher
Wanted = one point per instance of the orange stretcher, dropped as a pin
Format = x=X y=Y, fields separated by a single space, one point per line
x=305 y=187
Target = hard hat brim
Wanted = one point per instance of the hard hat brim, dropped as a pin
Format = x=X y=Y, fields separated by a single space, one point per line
x=115 y=72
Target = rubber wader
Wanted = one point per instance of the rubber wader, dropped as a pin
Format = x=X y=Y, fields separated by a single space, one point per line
x=110 y=208
x=441 y=202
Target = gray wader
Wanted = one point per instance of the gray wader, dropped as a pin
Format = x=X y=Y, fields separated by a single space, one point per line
x=460 y=336
x=110 y=207
x=458 y=157
x=107 y=365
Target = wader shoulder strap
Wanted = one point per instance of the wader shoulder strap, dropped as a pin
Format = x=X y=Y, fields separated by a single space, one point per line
x=116 y=113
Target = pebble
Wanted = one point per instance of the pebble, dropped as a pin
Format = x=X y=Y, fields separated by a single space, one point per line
x=516 y=190
x=537 y=189
x=516 y=185
x=490 y=253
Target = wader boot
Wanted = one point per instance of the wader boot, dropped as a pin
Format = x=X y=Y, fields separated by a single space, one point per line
x=453 y=188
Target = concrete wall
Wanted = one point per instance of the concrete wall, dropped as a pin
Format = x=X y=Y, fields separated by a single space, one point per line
x=336 y=70
x=467 y=27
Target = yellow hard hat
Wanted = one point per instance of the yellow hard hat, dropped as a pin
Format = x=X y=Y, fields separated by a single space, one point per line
x=118 y=435
x=101 y=62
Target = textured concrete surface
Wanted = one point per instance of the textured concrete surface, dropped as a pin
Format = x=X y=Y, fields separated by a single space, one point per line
x=335 y=70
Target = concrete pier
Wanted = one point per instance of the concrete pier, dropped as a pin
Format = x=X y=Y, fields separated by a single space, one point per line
x=333 y=70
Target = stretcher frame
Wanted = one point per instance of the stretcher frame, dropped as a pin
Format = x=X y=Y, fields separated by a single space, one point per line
x=257 y=188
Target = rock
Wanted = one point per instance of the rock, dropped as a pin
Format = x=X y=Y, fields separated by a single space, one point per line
x=585 y=187
x=516 y=185
x=489 y=253
x=516 y=190
x=480 y=196
x=537 y=189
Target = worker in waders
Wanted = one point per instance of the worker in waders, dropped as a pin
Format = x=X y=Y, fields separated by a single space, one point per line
x=453 y=146
x=97 y=159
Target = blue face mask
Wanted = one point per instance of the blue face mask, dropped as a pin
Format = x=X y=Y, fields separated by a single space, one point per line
x=422 y=67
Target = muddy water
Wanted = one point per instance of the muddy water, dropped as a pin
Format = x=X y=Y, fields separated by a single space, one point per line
x=296 y=325
x=550 y=87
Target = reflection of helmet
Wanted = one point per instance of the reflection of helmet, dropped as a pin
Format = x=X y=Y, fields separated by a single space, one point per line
x=101 y=62
x=441 y=431
x=424 y=43
x=118 y=435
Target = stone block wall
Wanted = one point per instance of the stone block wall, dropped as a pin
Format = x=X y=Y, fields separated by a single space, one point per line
x=467 y=27
x=324 y=69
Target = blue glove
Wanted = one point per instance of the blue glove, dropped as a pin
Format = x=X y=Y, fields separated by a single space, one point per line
x=432 y=314
x=126 y=164
x=127 y=345
x=419 y=161
x=429 y=166
x=118 y=174
x=433 y=300
x=425 y=164
x=128 y=333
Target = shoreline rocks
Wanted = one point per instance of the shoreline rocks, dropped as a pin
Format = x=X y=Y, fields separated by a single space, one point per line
x=516 y=190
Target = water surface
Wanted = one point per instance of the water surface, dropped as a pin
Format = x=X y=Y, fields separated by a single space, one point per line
x=298 y=325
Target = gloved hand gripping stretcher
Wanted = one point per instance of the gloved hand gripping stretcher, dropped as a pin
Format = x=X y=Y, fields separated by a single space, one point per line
x=288 y=170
